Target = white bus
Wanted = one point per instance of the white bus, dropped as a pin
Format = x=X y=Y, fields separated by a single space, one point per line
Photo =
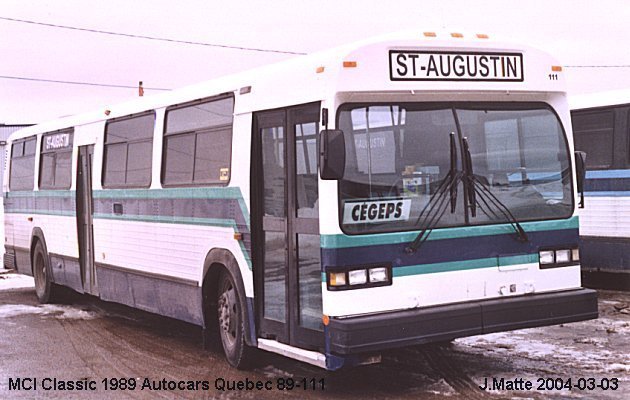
x=601 y=126
x=389 y=193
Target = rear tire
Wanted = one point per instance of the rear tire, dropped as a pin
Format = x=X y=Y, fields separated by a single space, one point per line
x=45 y=289
x=231 y=327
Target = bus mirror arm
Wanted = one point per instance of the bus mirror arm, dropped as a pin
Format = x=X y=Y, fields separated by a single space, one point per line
x=332 y=154
x=580 y=171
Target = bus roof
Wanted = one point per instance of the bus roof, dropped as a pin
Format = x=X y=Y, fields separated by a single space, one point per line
x=364 y=66
x=599 y=99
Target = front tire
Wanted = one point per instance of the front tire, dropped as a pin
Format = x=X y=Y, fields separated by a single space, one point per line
x=44 y=287
x=231 y=328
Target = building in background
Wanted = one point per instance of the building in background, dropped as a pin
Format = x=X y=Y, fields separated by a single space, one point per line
x=5 y=132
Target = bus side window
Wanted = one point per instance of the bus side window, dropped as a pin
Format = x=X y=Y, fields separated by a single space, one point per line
x=128 y=151
x=198 y=143
x=23 y=164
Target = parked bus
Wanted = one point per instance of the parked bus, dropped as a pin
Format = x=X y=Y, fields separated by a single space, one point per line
x=329 y=208
x=601 y=126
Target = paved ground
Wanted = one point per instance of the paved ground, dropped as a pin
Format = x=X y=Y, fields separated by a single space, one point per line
x=87 y=340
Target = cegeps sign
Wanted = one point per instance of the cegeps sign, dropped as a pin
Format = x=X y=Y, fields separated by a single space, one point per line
x=408 y=65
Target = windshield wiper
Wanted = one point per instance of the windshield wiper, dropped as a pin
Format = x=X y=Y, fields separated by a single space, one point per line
x=477 y=187
x=437 y=205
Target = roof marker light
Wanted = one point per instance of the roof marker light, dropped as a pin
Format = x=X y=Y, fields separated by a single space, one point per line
x=482 y=36
x=429 y=34
x=319 y=70
x=457 y=35
x=556 y=68
x=349 y=64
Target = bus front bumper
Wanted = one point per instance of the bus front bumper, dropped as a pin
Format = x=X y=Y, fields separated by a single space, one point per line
x=357 y=335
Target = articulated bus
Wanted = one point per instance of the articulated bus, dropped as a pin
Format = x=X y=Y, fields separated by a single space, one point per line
x=394 y=192
x=601 y=126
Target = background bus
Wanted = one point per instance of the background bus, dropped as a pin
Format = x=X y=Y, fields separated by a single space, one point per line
x=601 y=128
x=387 y=193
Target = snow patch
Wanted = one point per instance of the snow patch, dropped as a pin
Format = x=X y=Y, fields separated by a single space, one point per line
x=616 y=367
x=15 y=281
x=441 y=388
x=520 y=343
x=60 y=312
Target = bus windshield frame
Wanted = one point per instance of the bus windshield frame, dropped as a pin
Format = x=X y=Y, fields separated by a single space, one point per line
x=519 y=153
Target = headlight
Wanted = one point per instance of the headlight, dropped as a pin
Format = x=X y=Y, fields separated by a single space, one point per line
x=547 y=257
x=563 y=256
x=359 y=278
x=378 y=275
x=558 y=258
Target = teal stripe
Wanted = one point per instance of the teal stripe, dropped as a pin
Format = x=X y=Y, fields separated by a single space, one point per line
x=339 y=241
x=230 y=223
x=451 y=266
x=43 y=212
x=464 y=265
x=42 y=193
x=173 y=193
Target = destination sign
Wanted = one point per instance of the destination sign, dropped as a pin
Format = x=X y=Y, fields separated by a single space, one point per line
x=455 y=66
x=376 y=211
x=57 y=141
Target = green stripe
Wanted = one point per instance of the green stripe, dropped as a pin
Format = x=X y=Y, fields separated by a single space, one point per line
x=43 y=212
x=42 y=193
x=230 y=223
x=464 y=265
x=172 y=193
x=339 y=241
x=451 y=266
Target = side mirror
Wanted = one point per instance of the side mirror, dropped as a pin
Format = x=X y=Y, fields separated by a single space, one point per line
x=580 y=171
x=332 y=154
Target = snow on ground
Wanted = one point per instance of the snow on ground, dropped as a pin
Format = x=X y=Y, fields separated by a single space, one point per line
x=14 y=281
x=10 y=281
x=60 y=312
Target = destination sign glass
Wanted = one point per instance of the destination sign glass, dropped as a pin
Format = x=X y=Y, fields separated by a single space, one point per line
x=455 y=66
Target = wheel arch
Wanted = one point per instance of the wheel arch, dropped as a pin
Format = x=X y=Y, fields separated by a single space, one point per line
x=37 y=236
x=219 y=259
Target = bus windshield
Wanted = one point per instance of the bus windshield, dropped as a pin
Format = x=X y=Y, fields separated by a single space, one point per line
x=398 y=156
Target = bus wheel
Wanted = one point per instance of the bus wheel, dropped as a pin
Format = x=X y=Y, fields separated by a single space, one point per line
x=44 y=288
x=230 y=319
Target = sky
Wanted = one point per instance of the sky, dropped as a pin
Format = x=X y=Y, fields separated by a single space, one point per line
x=242 y=34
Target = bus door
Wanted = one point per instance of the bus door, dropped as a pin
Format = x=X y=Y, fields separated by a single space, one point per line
x=287 y=267
x=84 y=219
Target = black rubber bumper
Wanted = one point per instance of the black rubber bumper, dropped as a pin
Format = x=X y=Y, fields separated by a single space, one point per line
x=433 y=324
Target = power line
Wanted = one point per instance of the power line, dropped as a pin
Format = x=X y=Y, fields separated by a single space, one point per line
x=22 y=78
x=597 y=66
x=129 y=35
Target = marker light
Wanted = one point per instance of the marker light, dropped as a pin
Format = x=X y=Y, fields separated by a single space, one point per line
x=482 y=36
x=457 y=35
x=547 y=257
x=575 y=254
x=337 y=278
x=319 y=70
x=378 y=275
x=563 y=256
x=357 y=277
x=556 y=68
x=430 y=34
x=349 y=64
